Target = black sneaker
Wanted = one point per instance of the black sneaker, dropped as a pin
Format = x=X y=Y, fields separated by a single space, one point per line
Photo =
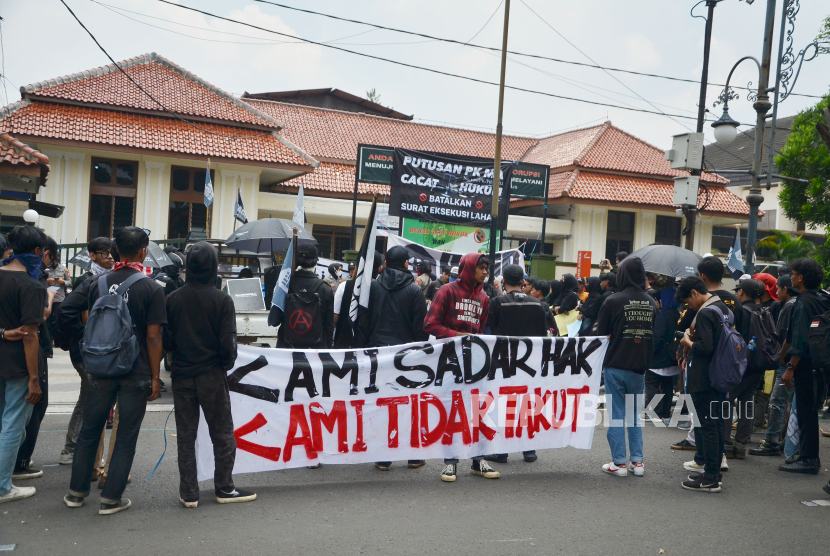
x=415 y=463
x=811 y=466
x=530 y=456
x=449 y=474
x=114 y=506
x=73 y=501
x=497 y=458
x=383 y=465
x=684 y=445
x=701 y=484
x=483 y=469
x=31 y=472
x=236 y=495
x=766 y=450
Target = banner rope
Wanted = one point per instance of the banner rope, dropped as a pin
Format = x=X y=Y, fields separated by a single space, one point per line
x=165 y=446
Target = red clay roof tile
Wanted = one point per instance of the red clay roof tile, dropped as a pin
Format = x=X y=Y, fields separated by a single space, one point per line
x=18 y=152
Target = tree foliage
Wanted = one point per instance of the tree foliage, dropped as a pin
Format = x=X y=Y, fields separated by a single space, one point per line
x=806 y=156
x=824 y=37
x=787 y=247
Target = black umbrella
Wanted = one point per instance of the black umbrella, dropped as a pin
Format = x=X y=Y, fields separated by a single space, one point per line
x=156 y=257
x=267 y=235
x=668 y=260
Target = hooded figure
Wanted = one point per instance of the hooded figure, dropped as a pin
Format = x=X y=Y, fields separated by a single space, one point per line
x=333 y=276
x=460 y=306
x=593 y=303
x=628 y=317
x=396 y=306
x=201 y=320
x=569 y=284
x=555 y=295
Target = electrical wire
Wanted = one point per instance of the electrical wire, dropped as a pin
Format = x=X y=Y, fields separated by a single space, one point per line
x=431 y=70
x=486 y=23
x=558 y=60
x=151 y=97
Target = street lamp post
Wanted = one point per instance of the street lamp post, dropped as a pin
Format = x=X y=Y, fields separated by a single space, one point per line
x=726 y=130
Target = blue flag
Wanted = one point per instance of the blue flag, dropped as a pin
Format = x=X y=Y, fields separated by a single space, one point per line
x=735 y=259
x=208 y=188
x=281 y=289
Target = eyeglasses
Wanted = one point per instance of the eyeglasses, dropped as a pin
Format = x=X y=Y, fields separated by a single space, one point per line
x=103 y=254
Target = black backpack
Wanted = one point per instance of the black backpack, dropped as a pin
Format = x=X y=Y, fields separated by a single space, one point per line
x=819 y=341
x=767 y=352
x=302 y=320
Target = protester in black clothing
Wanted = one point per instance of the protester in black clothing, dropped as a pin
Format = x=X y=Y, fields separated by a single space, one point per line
x=22 y=300
x=269 y=282
x=621 y=256
x=627 y=318
x=433 y=287
x=589 y=311
x=806 y=277
x=741 y=397
x=555 y=294
x=201 y=335
x=660 y=377
x=701 y=346
x=396 y=314
x=168 y=277
x=101 y=259
x=515 y=314
x=305 y=280
x=396 y=306
x=146 y=303
x=344 y=336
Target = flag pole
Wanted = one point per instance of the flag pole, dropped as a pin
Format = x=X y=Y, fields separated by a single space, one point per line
x=294 y=250
x=494 y=211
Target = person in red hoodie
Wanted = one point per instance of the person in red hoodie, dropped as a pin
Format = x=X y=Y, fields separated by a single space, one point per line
x=458 y=309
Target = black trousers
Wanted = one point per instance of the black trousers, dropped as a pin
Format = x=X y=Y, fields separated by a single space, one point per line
x=658 y=384
x=27 y=448
x=710 y=434
x=742 y=401
x=210 y=392
x=807 y=406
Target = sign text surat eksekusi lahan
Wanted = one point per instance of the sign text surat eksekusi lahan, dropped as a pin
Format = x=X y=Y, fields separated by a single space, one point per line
x=496 y=358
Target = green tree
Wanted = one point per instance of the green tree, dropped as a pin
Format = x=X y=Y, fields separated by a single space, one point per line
x=787 y=247
x=824 y=37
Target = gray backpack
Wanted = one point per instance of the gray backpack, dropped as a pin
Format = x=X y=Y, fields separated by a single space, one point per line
x=110 y=348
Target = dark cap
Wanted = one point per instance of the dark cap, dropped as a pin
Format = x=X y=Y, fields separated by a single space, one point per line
x=396 y=257
x=308 y=250
x=786 y=281
x=752 y=288
x=513 y=275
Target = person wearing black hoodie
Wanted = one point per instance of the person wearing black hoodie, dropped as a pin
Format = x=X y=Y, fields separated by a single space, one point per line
x=589 y=311
x=201 y=335
x=396 y=314
x=627 y=318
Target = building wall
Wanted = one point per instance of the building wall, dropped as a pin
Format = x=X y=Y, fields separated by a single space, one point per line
x=68 y=186
x=228 y=180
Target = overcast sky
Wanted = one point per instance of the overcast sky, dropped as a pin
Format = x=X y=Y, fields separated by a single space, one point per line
x=42 y=41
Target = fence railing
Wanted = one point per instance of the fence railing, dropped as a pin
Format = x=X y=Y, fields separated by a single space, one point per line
x=69 y=250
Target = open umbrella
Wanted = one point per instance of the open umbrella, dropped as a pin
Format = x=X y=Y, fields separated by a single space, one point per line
x=156 y=257
x=668 y=260
x=267 y=235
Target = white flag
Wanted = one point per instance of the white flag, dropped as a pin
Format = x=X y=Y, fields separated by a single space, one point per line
x=299 y=209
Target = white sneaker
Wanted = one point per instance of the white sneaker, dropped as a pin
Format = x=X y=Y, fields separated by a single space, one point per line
x=65 y=457
x=637 y=468
x=693 y=467
x=17 y=493
x=613 y=469
x=723 y=465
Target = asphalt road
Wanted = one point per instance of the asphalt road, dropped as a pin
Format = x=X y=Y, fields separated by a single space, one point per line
x=561 y=504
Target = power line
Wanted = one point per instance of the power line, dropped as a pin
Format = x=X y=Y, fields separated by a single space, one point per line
x=453 y=41
x=486 y=23
x=151 y=97
x=431 y=70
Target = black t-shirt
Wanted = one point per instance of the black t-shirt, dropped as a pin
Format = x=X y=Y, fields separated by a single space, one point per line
x=628 y=317
x=22 y=300
x=146 y=302
x=728 y=298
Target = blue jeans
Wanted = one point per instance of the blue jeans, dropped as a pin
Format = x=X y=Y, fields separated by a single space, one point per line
x=778 y=400
x=101 y=394
x=15 y=414
x=619 y=384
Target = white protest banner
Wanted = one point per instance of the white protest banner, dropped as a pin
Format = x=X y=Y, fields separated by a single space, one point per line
x=458 y=397
x=439 y=259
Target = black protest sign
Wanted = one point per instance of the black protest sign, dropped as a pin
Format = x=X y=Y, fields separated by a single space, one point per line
x=529 y=181
x=437 y=187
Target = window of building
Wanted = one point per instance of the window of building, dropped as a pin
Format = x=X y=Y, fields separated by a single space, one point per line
x=767 y=221
x=669 y=229
x=111 y=196
x=188 y=212
x=723 y=238
x=620 y=236
x=332 y=241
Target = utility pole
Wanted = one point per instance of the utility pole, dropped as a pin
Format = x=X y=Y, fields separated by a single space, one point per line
x=494 y=209
x=691 y=211
x=761 y=106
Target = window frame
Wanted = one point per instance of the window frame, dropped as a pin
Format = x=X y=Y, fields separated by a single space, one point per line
x=111 y=189
x=189 y=196
x=617 y=236
x=675 y=220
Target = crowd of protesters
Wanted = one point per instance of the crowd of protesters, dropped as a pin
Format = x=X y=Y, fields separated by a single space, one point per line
x=665 y=336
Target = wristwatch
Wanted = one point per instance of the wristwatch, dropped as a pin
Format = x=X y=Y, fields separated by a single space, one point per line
x=790 y=366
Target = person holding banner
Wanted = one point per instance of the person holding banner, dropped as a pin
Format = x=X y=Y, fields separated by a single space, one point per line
x=460 y=308
x=201 y=335
x=396 y=314
x=627 y=318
